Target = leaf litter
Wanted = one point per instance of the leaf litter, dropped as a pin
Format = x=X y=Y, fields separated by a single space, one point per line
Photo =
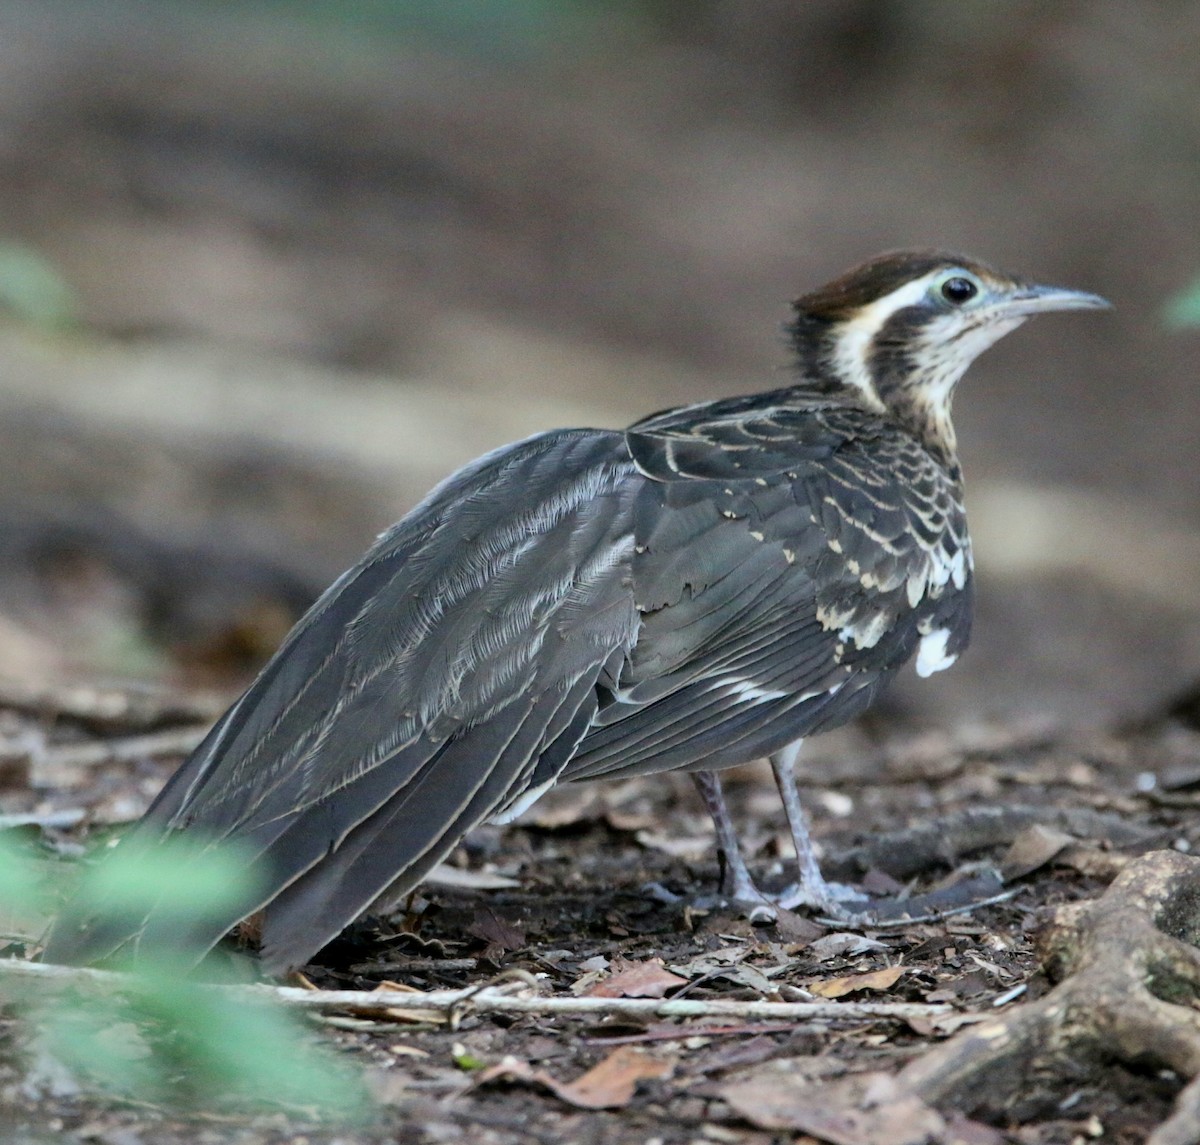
x=580 y=918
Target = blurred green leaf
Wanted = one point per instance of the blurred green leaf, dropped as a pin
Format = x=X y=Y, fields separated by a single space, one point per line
x=32 y=289
x=465 y=1060
x=20 y=879
x=176 y=1042
x=486 y=28
x=165 y=1038
x=257 y=1051
x=101 y=1047
x=1182 y=310
x=30 y=886
x=175 y=875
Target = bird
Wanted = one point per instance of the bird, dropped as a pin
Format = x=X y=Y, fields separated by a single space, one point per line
x=710 y=586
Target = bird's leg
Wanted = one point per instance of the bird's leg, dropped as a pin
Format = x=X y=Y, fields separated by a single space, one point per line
x=736 y=881
x=811 y=889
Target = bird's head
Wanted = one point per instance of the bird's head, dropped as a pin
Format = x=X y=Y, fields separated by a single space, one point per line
x=902 y=329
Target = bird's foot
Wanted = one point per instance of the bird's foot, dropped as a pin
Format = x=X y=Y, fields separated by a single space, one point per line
x=740 y=893
x=762 y=907
x=829 y=898
x=837 y=904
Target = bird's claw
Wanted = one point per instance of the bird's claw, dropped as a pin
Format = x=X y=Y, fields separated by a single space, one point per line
x=829 y=897
x=761 y=908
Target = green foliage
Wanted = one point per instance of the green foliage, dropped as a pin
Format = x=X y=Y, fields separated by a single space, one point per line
x=184 y=884
x=486 y=28
x=1183 y=309
x=161 y=1037
x=32 y=289
x=21 y=885
x=174 y=1042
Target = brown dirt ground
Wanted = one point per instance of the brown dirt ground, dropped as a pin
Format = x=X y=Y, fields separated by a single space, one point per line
x=583 y=859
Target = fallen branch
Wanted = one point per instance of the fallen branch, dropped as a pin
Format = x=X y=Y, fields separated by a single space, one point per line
x=60 y=819
x=110 y=708
x=943 y=841
x=496 y=999
x=128 y=749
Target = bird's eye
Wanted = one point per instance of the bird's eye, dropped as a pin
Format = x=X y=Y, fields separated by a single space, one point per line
x=957 y=290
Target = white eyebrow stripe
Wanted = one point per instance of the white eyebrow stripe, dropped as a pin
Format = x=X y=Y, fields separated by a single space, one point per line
x=850 y=361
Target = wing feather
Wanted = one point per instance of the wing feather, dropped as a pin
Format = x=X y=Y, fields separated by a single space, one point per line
x=418 y=696
x=778 y=601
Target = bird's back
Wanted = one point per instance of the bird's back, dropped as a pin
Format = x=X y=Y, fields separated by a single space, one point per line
x=792 y=550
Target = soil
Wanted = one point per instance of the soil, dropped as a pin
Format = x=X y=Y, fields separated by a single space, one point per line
x=609 y=877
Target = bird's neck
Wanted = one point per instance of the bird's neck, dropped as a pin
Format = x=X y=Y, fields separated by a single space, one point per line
x=893 y=379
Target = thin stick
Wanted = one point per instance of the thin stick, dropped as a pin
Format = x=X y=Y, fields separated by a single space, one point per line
x=66 y=817
x=127 y=749
x=109 y=707
x=498 y=1000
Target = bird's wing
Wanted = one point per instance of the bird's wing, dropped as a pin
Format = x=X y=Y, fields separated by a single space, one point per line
x=429 y=686
x=787 y=563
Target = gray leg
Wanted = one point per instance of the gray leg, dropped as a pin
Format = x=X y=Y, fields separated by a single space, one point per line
x=811 y=889
x=736 y=883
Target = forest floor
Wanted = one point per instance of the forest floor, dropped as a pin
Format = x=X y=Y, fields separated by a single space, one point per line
x=605 y=891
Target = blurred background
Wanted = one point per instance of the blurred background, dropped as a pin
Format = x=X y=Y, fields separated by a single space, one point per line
x=268 y=270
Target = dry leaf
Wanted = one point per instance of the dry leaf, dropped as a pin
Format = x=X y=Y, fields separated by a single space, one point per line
x=510 y=1068
x=1032 y=848
x=585 y=983
x=565 y=806
x=1093 y=861
x=942 y=1025
x=461 y=878
x=843 y=944
x=608 y=1085
x=793 y=927
x=630 y=821
x=866 y=1109
x=879 y=884
x=751 y=978
x=648 y=979
x=873 y=980
x=612 y=1082
x=693 y=847
x=496 y=931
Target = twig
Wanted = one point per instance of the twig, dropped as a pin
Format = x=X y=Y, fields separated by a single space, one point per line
x=138 y=708
x=494 y=999
x=674 y=1033
x=67 y=817
x=941 y=841
x=128 y=749
x=882 y=925
x=415 y=965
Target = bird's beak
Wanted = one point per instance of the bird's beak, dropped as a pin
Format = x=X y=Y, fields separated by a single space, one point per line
x=1026 y=301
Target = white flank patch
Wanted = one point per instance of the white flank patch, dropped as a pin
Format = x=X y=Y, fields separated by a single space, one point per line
x=931 y=653
x=958 y=570
x=522 y=804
